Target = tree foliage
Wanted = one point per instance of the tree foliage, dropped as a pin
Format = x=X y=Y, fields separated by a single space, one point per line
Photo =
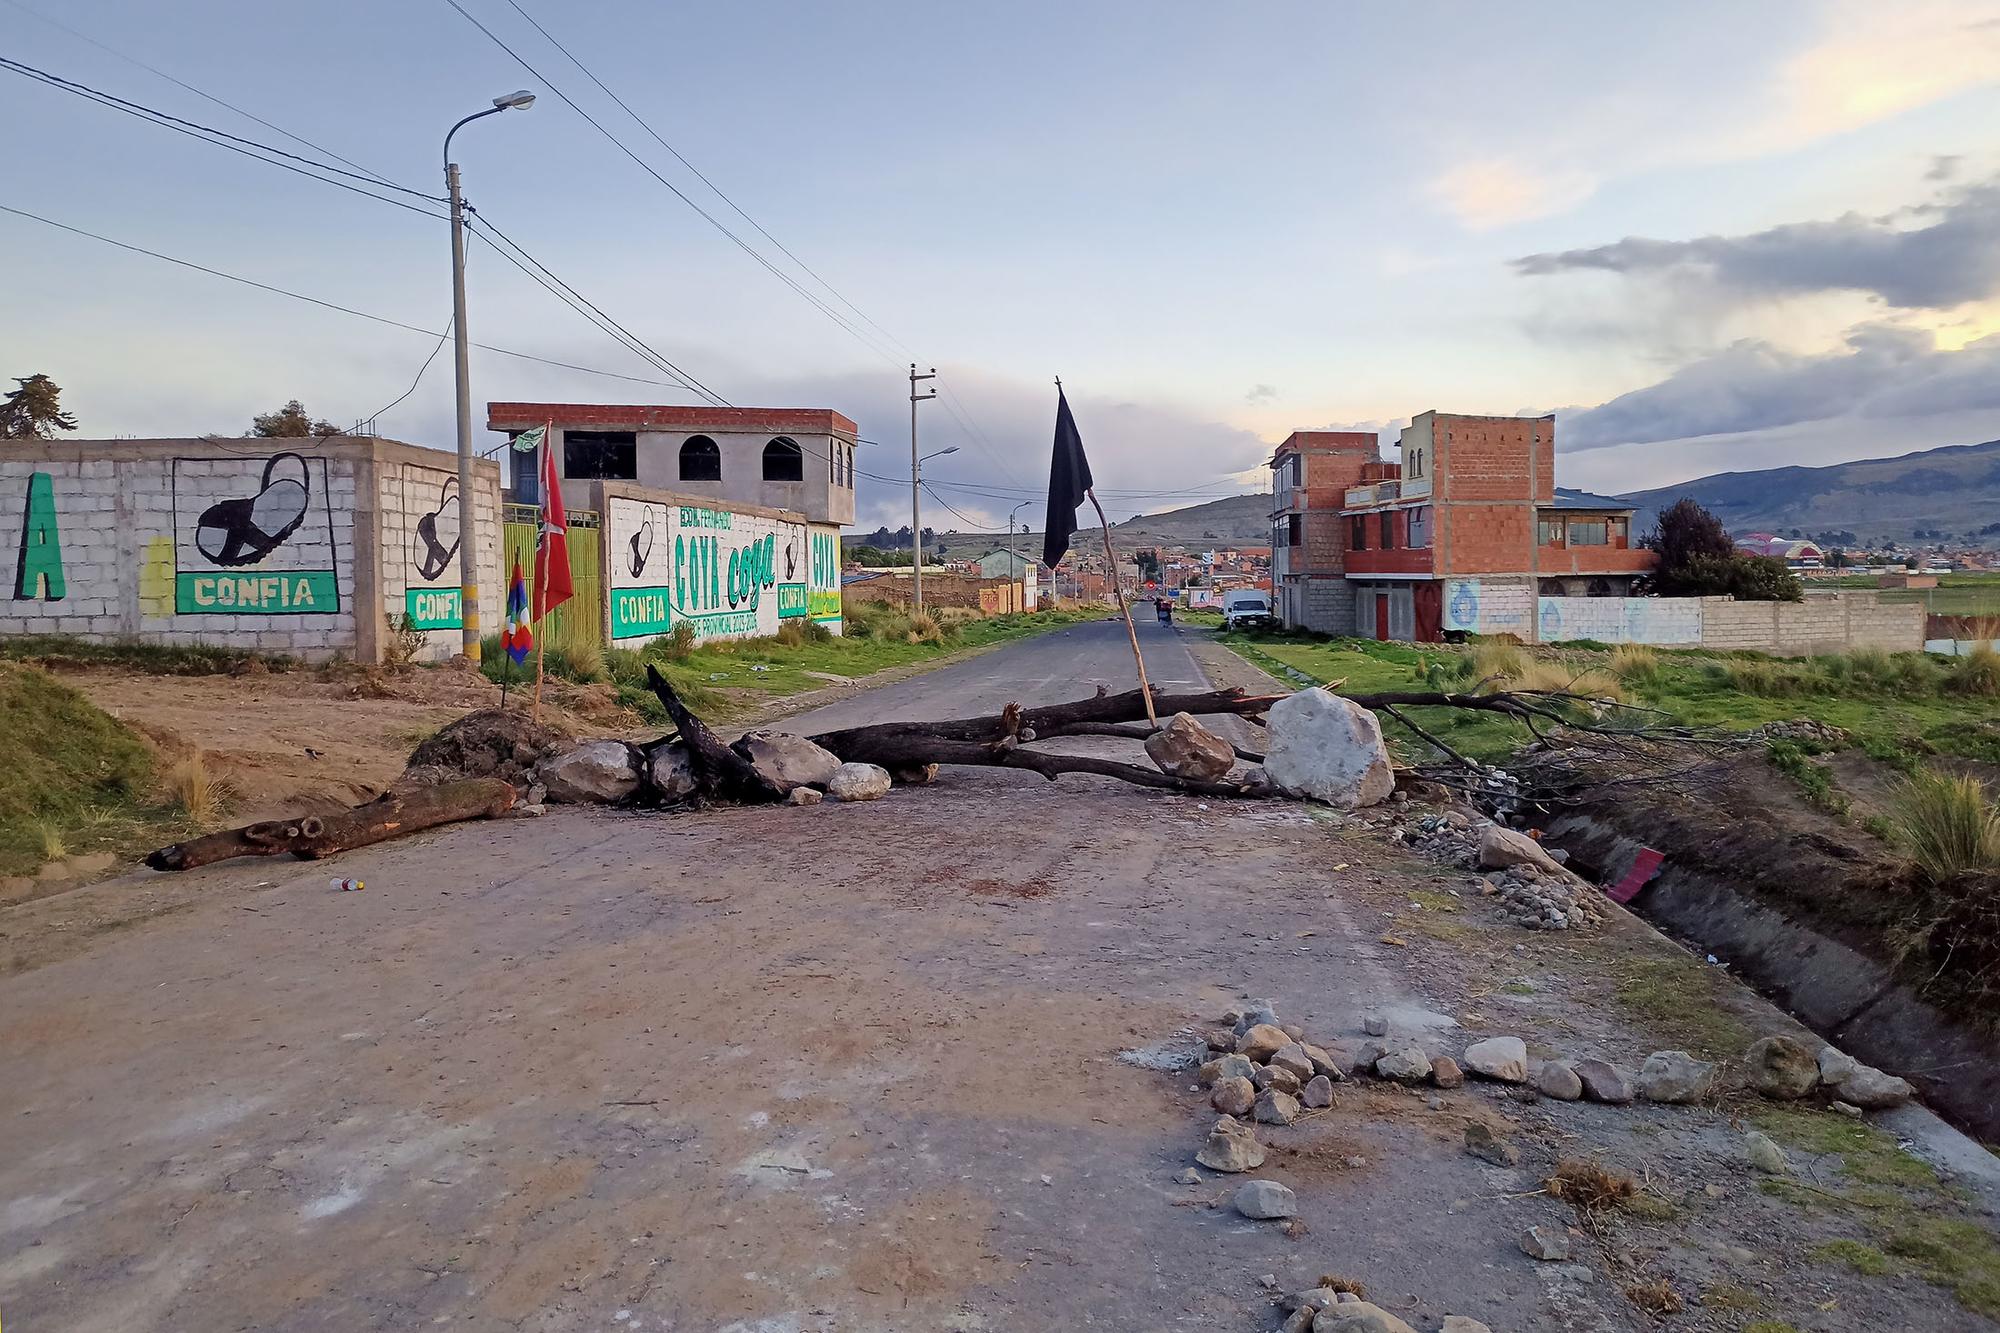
x=1697 y=559
x=290 y=422
x=34 y=411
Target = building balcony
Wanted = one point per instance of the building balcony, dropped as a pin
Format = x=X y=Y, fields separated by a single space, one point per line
x=1420 y=562
x=1555 y=561
x=1375 y=493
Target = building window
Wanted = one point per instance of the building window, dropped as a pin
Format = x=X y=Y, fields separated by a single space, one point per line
x=846 y=466
x=1294 y=530
x=1388 y=530
x=701 y=459
x=1552 y=588
x=1587 y=532
x=609 y=455
x=1551 y=532
x=1620 y=530
x=1420 y=528
x=1599 y=587
x=784 y=461
x=1358 y=536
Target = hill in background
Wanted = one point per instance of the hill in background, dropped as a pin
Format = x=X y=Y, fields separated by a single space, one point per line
x=1954 y=491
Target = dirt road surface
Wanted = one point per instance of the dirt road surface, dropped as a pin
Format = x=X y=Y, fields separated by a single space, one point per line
x=846 y=1067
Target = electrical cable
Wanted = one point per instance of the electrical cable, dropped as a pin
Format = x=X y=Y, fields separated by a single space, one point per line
x=643 y=165
x=626 y=334
x=326 y=305
x=209 y=97
x=223 y=139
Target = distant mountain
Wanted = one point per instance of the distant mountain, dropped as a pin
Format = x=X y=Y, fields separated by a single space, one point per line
x=1238 y=520
x=1954 y=490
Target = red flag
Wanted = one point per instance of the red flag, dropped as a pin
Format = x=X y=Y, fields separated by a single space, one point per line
x=553 y=585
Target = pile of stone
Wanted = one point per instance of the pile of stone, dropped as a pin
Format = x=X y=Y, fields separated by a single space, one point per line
x=1804 y=730
x=1532 y=886
x=1327 y=1309
x=1536 y=900
x=1785 y=1069
x=610 y=771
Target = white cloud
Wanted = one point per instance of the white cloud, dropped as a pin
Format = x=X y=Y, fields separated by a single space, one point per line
x=1493 y=192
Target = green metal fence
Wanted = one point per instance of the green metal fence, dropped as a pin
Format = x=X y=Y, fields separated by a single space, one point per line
x=579 y=622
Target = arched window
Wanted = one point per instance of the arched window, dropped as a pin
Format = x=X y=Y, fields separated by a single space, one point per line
x=784 y=461
x=1553 y=588
x=1599 y=587
x=701 y=459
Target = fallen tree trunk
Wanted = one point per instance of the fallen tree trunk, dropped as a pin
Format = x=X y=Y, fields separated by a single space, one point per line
x=894 y=739
x=719 y=770
x=388 y=816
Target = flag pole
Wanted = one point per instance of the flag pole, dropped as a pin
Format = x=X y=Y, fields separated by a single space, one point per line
x=1131 y=630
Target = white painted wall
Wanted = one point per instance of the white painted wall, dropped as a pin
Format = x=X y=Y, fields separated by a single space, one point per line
x=732 y=573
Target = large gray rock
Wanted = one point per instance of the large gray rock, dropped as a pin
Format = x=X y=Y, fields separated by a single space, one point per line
x=1233 y=1096
x=1763 y=1153
x=1276 y=1108
x=1675 y=1076
x=1262 y=1042
x=670 y=772
x=1186 y=749
x=1501 y=1058
x=1873 y=1090
x=1502 y=847
x=1547 y=1243
x=1780 y=1068
x=1409 y=1065
x=598 y=771
x=1228 y=1066
x=1327 y=748
x=858 y=782
x=787 y=761
x=1318 y=1093
x=1358 y=1317
x=1231 y=1146
x=1265 y=1200
x=1604 y=1082
x=1835 y=1065
x=1558 y=1080
x=1294 y=1058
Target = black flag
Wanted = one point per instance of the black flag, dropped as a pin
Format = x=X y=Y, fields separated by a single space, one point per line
x=1069 y=478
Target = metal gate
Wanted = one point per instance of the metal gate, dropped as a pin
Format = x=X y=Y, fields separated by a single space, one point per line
x=579 y=622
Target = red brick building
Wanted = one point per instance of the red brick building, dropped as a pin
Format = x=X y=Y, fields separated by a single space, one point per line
x=1311 y=473
x=1465 y=532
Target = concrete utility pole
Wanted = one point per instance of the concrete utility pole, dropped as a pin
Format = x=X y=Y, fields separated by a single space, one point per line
x=1021 y=579
x=468 y=553
x=916 y=479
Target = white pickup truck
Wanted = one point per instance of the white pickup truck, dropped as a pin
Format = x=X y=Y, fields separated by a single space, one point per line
x=1247 y=608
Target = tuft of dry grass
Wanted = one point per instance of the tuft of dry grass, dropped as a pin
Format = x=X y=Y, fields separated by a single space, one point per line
x=53 y=844
x=201 y=795
x=1591 y=682
x=1353 y=1285
x=1634 y=663
x=1654 y=1297
x=1949 y=823
x=1588 y=1186
x=925 y=627
x=1496 y=658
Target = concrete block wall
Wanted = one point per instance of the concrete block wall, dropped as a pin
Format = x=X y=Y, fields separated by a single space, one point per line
x=1329 y=605
x=267 y=545
x=417 y=559
x=1665 y=621
x=1825 y=622
x=1490 y=606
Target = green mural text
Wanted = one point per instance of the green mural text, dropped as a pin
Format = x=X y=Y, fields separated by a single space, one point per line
x=38 y=575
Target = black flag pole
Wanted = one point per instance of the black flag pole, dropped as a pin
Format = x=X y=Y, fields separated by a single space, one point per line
x=1069 y=470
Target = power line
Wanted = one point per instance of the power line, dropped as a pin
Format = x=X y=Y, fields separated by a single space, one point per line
x=209 y=97
x=326 y=305
x=643 y=165
x=717 y=189
x=250 y=148
x=625 y=335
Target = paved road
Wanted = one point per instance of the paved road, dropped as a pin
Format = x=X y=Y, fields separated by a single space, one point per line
x=1050 y=668
x=782 y=1069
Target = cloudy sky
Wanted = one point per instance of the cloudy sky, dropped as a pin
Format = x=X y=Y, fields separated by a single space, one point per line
x=1709 y=235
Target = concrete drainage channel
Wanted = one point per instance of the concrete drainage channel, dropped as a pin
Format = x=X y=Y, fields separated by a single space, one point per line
x=1848 y=998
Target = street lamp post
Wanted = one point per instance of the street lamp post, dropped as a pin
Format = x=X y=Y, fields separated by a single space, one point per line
x=917 y=514
x=468 y=561
x=1022 y=579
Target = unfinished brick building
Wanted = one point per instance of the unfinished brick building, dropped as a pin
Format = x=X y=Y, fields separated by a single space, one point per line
x=1465 y=532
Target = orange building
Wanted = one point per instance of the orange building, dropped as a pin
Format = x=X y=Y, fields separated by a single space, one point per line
x=1463 y=533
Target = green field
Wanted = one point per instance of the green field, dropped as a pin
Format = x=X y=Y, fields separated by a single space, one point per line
x=1897 y=705
x=1955 y=595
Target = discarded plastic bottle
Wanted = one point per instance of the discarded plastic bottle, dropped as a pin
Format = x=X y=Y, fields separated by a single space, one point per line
x=348 y=886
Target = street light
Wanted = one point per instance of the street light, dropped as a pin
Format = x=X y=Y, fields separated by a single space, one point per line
x=468 y=566
x=916 y=508
x=1010 y=550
